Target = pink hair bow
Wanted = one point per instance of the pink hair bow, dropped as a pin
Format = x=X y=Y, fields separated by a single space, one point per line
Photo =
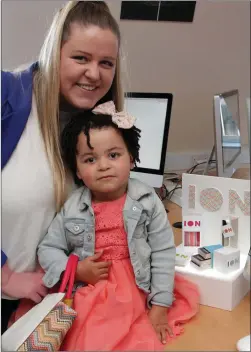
x=122 y=119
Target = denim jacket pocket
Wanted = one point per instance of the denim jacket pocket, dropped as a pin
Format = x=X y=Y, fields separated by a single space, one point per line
x=75 y=233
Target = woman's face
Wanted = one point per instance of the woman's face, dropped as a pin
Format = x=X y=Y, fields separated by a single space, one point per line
x=88 y=64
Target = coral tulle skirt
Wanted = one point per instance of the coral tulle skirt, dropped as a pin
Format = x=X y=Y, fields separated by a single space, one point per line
x=112 y=315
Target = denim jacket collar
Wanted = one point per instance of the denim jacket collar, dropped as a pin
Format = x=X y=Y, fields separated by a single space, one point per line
x=86 y=199
x=136 y=190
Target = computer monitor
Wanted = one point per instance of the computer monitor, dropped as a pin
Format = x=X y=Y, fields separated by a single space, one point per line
x=152 y=112
x=227 y=132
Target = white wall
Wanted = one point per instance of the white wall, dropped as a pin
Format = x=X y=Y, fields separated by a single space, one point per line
x=191 y=60
x=24 y=25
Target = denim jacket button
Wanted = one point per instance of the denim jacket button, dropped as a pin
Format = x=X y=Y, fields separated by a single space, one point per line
x=138 y=272
x=134 y=208
x=89 y=237
x=76 y=227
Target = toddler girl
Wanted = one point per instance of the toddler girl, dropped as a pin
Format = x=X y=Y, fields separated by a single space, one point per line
x=132 y=307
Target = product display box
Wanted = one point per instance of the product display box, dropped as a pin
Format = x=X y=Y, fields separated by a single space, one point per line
x=216 y=231
x=219 y=290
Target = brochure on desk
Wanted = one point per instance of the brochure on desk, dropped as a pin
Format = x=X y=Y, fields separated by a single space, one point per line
x=206 y=202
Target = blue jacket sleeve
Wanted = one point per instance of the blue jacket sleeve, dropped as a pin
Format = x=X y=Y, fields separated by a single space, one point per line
x=16 y=95
x=6 y=83
x=3 y=258
x=6 y=80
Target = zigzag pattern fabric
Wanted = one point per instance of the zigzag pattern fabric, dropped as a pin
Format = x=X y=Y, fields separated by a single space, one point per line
x=50 y=333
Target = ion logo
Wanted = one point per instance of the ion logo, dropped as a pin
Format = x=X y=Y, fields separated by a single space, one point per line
x=191 y=223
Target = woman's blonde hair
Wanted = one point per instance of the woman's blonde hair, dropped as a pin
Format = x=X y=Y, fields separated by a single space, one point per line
x=47 y=79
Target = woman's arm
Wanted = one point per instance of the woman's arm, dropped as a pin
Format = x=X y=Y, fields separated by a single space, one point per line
x=22 y=285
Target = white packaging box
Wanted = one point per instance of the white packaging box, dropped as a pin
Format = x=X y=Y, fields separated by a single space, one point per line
x=226 y=259
x=224 y=291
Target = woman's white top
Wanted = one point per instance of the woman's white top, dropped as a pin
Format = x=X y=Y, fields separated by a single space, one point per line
x=28 y=205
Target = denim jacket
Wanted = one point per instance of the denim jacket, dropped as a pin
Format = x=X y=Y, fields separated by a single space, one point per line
x=149 y=235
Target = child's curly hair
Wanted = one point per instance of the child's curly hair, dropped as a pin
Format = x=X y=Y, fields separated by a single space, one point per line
x=84 y=122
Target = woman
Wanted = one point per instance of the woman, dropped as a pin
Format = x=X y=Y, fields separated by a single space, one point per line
x=78 y=67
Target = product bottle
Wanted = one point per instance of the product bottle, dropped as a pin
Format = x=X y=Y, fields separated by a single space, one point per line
x=227 y=232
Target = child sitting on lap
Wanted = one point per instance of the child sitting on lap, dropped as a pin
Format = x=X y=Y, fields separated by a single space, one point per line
x=132 y=307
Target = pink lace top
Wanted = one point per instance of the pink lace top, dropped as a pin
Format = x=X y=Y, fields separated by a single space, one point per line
x=109 y=227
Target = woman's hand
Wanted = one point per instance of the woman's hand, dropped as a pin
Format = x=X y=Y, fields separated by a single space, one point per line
x=23 y=285
x=91 y=271
x=158 y=318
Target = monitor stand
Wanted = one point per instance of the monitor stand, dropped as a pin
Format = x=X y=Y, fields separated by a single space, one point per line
x=206 y=169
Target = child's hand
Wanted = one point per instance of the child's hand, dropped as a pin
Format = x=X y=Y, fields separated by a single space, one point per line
x=91 y=271
x=23 y=285
x=158 y=318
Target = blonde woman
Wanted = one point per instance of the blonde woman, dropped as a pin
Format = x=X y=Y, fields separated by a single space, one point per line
x=78 y=68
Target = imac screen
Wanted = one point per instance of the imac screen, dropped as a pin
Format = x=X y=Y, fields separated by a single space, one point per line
x=230 y=129
x=152 y=112
x=150 y=118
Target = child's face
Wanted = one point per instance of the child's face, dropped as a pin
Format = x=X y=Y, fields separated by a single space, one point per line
x=104 y=169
